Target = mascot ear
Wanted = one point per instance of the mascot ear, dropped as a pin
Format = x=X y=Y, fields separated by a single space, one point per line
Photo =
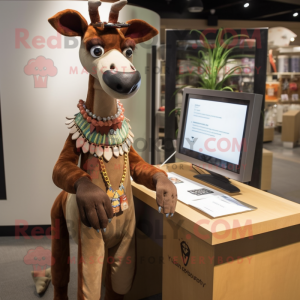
x=140 y=31
x=69 y=23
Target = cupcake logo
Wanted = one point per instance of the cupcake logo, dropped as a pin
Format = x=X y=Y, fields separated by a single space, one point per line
x=40 y=68
x=39 y=258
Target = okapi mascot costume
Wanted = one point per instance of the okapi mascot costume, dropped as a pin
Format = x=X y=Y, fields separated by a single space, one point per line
x=96 y=201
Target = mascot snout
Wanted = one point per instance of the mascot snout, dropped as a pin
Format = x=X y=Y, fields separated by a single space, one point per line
x=122 y=82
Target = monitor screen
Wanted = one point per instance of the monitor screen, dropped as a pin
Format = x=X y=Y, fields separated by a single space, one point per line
x=213 y=130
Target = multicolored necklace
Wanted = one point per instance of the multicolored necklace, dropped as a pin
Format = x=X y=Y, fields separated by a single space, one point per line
x=118 y=198
x=88 y=115
x=103 y=124
x=114 y=143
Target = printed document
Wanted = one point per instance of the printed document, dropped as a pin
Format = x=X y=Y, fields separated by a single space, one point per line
x=206 y=199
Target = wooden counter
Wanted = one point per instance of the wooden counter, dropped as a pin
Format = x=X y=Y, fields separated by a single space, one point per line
x=251 y=255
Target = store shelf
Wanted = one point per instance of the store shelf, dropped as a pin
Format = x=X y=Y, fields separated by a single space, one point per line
x=289 y=50
x=278 y=101
x=182 y=86
x=272 y=101
x=284 y=73
x=288 y=102
x=243 y=75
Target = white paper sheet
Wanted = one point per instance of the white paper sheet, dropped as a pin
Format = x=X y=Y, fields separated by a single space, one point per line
x=219 y=205
x=215 y=204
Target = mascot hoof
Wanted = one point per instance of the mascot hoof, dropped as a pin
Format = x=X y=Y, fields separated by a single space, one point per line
x=41 y=280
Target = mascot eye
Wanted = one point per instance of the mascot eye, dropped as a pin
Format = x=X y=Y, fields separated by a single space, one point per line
x=128 y=52
x=97 y=51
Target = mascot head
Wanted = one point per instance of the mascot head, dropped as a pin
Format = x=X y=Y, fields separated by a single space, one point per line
x=107 y=48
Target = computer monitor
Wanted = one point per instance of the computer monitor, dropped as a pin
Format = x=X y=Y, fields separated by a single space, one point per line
x=218 y=132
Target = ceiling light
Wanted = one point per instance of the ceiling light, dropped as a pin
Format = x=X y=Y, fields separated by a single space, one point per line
x=292 y=39
x=295 y=14
x=246 y=4
x=195 y=6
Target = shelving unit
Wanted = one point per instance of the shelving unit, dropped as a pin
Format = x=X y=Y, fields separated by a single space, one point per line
x=274 y=109
x=288 y=102
x=284 y=73
x=272 y=101
x=289 y=86
x=278 y=101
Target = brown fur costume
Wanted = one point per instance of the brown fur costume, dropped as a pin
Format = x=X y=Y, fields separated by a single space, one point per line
x=83 y=208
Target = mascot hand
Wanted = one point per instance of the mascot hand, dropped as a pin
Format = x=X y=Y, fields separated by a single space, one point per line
x=94 y=205
x=166 y=194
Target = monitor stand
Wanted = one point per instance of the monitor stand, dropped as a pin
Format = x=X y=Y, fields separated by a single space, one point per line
x=218 y=181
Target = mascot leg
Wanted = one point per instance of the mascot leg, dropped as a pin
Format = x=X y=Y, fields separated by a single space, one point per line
x=109 y=292
x=60 y=249
x=121 y=266
x=91 y=253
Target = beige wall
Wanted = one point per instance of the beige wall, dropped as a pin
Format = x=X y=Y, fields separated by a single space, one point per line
x=33 y=119
x=202 y=24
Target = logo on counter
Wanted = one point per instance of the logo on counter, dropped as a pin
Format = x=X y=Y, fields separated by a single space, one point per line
x=185 y=252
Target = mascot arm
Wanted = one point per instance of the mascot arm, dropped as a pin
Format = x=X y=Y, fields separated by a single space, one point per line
x=156 y=180
x=66 y=172
x=142 y=172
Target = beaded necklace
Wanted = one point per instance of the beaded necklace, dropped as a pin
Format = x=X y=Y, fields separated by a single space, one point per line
x=115 y=140
x=118 y=198
x=99 y=121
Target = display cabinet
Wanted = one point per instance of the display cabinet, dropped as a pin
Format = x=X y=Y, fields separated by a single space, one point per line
x=283 y=84
x=248 y=56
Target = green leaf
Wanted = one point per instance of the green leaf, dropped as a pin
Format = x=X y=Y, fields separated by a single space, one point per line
x=227 y=88
x=174 y=110
x=207 y=45
x=186 y=75
x=178 y=90
x=220 y=84
x=232 y=70
x=227 y=42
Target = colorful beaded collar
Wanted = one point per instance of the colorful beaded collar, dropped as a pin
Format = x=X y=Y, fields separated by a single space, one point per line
x=102 y=125
x=114 y=143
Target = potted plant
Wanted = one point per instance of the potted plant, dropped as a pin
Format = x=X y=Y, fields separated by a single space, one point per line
x=210 y=64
